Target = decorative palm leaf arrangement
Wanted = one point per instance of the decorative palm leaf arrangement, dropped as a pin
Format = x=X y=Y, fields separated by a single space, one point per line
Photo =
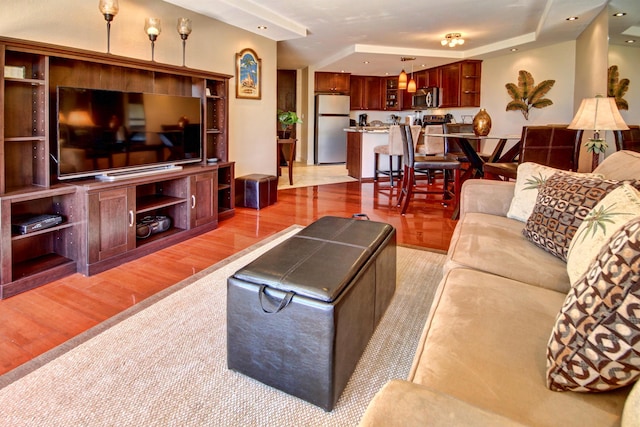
x=527 y=95
x=617 y=88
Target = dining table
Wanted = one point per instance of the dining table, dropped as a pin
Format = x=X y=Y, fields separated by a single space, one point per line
x=470 y=144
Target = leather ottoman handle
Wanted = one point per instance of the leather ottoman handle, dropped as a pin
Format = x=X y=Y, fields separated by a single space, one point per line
x=283 y=303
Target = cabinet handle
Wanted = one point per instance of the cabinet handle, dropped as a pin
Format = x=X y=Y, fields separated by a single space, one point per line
x=193 y=201
x=130 y=218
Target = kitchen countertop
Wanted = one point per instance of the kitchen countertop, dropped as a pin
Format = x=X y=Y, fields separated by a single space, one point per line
x=368 y=129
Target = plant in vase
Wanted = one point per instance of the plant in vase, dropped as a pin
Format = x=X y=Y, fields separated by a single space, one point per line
x=287 y=119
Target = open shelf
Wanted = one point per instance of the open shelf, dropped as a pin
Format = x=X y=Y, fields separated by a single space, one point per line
x=156 y=201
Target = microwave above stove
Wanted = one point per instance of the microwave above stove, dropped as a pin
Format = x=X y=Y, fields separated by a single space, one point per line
x=427 y=97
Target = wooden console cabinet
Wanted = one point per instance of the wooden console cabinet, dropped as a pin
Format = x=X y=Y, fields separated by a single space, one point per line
x=99 y=218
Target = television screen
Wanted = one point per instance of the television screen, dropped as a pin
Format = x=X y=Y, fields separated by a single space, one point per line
x=102 y=131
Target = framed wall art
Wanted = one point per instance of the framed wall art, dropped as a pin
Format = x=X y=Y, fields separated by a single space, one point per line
x=248 y=75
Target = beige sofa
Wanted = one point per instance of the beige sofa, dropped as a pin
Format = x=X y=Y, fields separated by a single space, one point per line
x=481 y=359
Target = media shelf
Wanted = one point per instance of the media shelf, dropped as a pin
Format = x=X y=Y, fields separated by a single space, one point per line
x=99 y=228
x=45 y=254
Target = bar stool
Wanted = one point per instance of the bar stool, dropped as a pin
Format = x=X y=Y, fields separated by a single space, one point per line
x=422 y=164
x=392 y=149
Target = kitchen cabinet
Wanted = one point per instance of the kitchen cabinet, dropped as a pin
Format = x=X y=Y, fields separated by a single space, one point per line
x=460 y=84
x=470 y=74
x=365 y=93
x=332 y=82
x=392 y=96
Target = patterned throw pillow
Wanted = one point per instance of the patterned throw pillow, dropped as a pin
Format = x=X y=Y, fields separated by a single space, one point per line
x=610 y=214
x=531 y=177
x=562 y=203
x=595 y=343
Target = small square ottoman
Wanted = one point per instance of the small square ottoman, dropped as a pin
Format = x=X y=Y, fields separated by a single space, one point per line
x=300 y=316
x=256 y=191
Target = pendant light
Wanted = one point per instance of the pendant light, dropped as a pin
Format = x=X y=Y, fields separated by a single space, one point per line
x=402 y=78
x=411 y=87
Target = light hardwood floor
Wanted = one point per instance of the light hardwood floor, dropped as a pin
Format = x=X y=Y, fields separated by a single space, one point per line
x=35 y=321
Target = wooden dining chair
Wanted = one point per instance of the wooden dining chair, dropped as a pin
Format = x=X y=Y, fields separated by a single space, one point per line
x=550 y=145
x=393 y=149
x=422 y=164
x=628 y=139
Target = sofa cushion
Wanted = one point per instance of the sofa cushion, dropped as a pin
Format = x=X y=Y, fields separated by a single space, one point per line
x=562 y=204
x=405 y=404
x=495 y=244
x=531 y=177
x=621 y=165
x=609 y=215
x=484 y=344
x=595 y=343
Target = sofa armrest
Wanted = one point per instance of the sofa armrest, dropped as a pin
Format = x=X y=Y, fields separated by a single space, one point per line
x=405 y=404
x=486 y=196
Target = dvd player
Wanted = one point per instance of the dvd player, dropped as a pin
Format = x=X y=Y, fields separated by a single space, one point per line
x=31 y=223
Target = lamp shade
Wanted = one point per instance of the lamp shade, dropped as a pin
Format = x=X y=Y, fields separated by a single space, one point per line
x=598 y=113
x=402 y=80
x=411 y=86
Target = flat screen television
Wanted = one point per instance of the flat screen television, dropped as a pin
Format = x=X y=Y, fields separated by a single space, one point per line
x=100 y=132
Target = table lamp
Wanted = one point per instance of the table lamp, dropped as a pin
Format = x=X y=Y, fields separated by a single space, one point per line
x=597 y=114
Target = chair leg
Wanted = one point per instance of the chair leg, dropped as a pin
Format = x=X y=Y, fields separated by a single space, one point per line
x=391 y=170
x=375 y=166
x=403 y=186
x=410 y=178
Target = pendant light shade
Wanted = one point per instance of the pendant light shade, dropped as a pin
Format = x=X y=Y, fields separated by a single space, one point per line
x=411 y=87
x=402 y=80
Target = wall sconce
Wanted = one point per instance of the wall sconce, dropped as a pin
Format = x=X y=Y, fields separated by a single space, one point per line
x=184 y=29
x=152 y=28
x=452 y=39
x=109 y=9
x=597 y=114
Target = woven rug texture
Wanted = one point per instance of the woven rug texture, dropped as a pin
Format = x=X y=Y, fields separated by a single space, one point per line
x=164 y=363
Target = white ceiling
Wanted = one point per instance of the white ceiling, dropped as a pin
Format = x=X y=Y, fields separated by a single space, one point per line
x=339 y=35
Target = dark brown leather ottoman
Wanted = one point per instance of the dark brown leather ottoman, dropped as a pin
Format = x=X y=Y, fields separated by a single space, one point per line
x=300 y=316
x=256 y=191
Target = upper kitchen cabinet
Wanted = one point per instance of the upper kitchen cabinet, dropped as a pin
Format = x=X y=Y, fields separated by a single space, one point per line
x=470 y=72
x=332 y=82
x=392 y=96
x=365 y=93
x=460 y=84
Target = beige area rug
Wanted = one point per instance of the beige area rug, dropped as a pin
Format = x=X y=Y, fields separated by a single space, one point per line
x=308 y=175
x=163 y=362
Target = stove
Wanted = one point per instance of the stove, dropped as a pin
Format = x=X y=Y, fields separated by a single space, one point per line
x=436 y=119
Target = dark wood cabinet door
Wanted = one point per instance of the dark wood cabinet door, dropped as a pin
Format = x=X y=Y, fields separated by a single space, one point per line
x=202 y=199
x=332 y=82
x=357 y=91
x=112 y=223
x=450 y=89
x=372 y=93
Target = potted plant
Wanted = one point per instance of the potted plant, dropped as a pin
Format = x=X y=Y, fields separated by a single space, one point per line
x=287 y=119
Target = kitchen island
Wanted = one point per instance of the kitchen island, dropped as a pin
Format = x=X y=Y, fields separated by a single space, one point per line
x=360 y=144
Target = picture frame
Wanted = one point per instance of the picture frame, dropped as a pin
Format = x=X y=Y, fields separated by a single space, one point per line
x=248 y=75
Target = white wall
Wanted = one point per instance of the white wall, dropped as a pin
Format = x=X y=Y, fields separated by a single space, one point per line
x=628 y=61
x=211 y=46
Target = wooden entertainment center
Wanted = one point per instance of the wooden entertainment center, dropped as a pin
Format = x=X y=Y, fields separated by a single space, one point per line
x=98 y=230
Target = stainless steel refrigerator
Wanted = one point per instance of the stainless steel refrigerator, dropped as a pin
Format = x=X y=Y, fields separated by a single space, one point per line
x=332 y=117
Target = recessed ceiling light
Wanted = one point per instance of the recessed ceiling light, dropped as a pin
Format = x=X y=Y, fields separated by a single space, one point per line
x=262 y=27
x=365 y=62
x=630 y=41
x=572 y=18
x=514 y=49
x=617 y=15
